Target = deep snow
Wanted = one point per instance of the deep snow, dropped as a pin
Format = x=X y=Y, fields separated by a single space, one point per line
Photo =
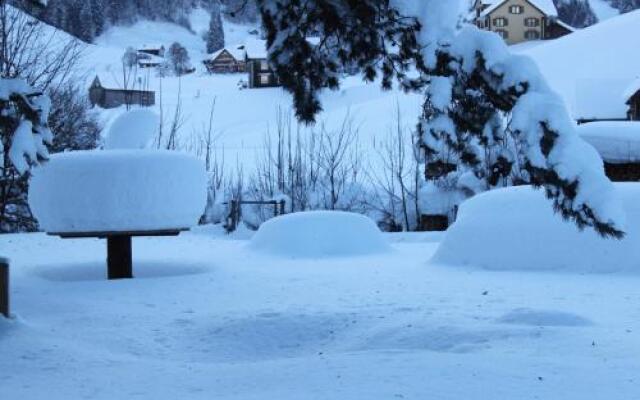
x=207 y=318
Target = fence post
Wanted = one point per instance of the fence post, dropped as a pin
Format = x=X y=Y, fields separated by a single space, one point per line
x=282 y=204
x=4 y=287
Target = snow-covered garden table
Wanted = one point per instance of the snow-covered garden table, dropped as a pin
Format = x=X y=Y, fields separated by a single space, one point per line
x=117 y=195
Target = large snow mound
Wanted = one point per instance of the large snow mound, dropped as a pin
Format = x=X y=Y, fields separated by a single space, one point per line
x=319 y=234
x=119 y=190
x=133 y=130
x=516 y=229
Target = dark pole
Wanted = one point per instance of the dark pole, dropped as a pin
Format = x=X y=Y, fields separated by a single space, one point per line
x=282 y=203
x=4 y=287
x=119 y=257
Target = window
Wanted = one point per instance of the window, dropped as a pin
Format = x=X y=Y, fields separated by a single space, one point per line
x=532 y=34
x=504 y=34
x=500 y=22
x=264 y=79
x=264 y=65
x=516 y=9
x=531 y=22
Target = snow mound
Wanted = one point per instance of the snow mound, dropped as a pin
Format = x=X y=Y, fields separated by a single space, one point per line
x=320 y=234
x=516 y=229
x=133 y=130
x=526 y=316
x=119 y=190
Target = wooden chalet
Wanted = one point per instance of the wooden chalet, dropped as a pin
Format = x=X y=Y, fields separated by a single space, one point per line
x=518 y=21
x=113 y=98
x=227 y=60
x=154 y=50
x=260 y=73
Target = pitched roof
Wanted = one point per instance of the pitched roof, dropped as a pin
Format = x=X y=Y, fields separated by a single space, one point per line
x=600 y=99
x=236 y=52
x=546 y=6
x=632 y=90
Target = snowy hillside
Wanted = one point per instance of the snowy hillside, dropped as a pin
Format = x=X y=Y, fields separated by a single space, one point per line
x=592 y=68
x=242 y=117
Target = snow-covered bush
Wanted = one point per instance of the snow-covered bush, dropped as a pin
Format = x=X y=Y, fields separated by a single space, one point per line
x=118 y=190
x=318 y=234
x=514 y=229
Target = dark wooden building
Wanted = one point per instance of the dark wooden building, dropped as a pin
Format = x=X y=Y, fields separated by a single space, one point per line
x=113 y=98
x=226 y=61
x=260 y=73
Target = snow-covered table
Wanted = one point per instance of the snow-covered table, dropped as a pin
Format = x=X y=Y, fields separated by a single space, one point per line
x=116 y=195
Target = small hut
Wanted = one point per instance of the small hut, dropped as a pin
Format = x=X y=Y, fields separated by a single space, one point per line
x=113 y=98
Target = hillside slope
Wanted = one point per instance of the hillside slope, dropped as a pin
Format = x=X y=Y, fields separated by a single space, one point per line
x=599 y=57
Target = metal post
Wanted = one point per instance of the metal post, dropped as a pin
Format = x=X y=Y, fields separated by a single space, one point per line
x=4 y=287
x=119 y=257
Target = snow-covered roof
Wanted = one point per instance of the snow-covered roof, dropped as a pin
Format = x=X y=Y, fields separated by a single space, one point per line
x=565 y=25
x=546 y=6
x=631 y=90
x=600 y=99
x=616 y=141
x=238 y=52
x=256 y=48
x=155 y=46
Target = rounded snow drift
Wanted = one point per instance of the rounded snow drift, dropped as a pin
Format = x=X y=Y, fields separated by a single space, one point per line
x=517 y=229
x=132 y=130
x=319 y=234
x=120 y=190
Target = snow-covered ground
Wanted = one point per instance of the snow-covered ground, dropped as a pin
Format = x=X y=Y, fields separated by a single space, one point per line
x=209 y=318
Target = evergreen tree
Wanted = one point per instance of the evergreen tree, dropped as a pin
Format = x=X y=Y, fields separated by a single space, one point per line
x=215 y=34
x=471 y=81
x=577 y=13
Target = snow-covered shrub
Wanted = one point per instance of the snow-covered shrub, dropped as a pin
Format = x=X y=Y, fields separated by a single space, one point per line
x=319 y=234
x=118 y=190
x=514 y=229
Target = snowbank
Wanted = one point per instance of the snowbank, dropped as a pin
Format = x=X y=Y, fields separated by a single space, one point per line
x=320 y=234
x=133 y=130
x=119 y=190
x=516 y=229
x=617 y=142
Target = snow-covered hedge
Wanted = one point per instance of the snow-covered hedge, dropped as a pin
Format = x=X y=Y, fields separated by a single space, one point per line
x=515 y=229
x=119 y=190
x=319 y=234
